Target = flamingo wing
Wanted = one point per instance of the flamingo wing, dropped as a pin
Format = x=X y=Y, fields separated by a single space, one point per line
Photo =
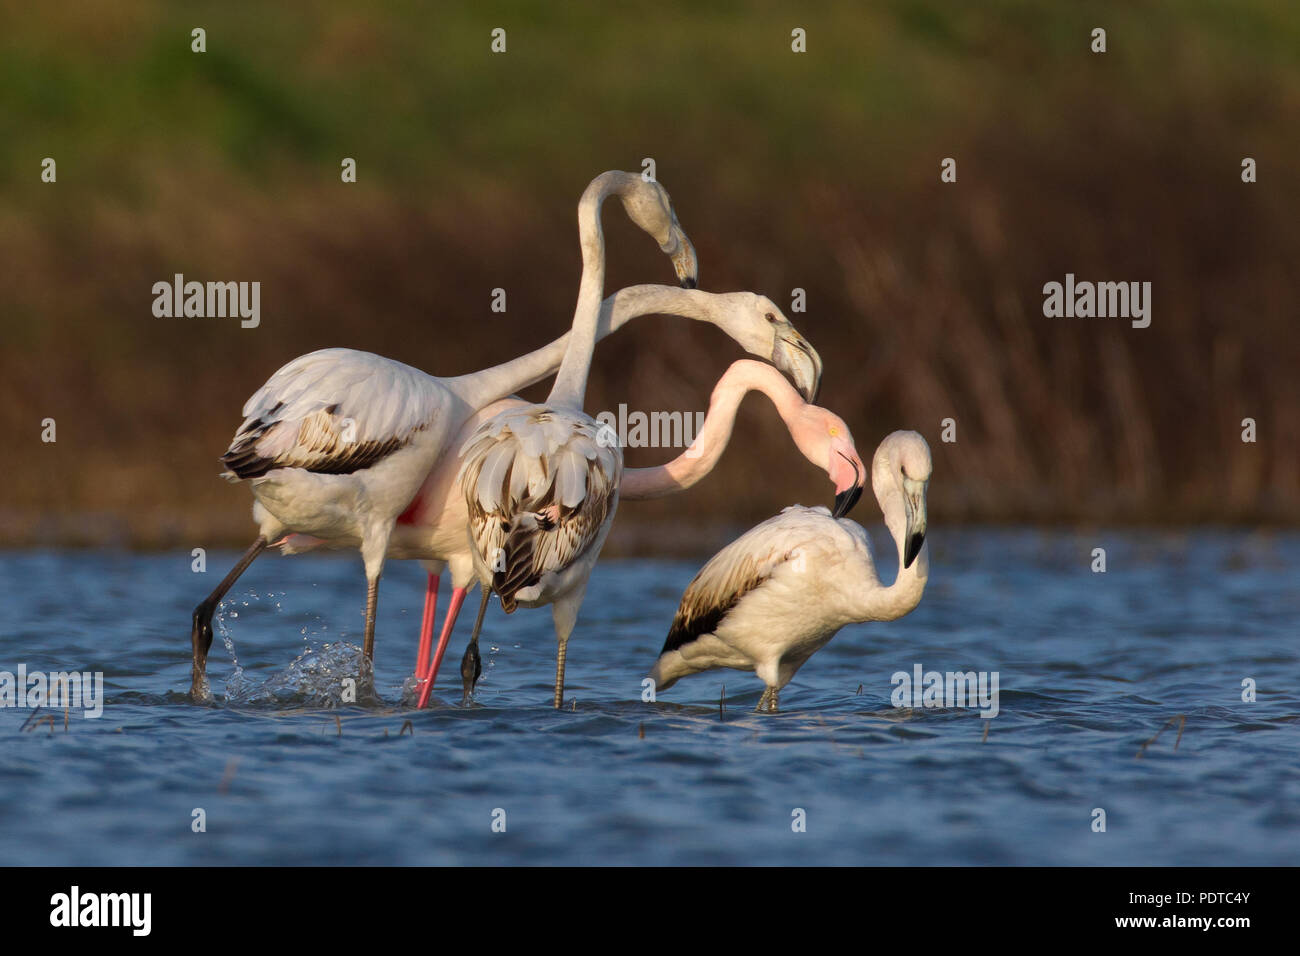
x=795 y=539
x=334 y=411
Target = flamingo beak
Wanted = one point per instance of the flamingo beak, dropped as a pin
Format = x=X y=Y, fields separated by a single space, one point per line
x=846 y=499
x=914 y=535
x=795 y=357
x=682 y=252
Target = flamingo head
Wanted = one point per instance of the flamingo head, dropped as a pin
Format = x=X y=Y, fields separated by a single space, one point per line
x=902 y=468
x=826 y=441
x=649 y=206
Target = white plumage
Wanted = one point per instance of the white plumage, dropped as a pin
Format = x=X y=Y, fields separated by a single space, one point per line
x=776 y=595
x=535 y=549
x=540 y=487
x=332 y=412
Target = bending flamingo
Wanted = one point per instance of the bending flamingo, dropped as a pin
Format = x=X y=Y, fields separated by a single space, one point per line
x=776 y=595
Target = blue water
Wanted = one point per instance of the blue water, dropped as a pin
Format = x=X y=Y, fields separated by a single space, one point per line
x=1090 y=666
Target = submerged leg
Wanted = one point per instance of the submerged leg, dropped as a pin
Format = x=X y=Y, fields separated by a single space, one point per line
x=762 y=701
x=427 y=679
x=471 y=665
x=201 y=633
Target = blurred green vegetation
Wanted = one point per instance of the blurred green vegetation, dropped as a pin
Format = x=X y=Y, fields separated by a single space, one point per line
x=816 y=170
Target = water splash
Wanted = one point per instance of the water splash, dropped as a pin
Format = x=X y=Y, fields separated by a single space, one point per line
x=331 y=675
x=235 y=683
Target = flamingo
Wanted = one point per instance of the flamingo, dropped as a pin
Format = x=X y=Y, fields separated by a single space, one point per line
x=819 y=434
x=776 y=595
x=541 y=481
x=337 y=442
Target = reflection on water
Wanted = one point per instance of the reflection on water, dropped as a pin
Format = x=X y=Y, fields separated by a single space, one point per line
x=1091 y=667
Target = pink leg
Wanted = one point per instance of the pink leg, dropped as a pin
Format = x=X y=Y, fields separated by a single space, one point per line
x=426 y=625
x=457 y=599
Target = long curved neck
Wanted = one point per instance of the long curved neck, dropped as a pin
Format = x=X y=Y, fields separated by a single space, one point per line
x=686 y=469
x=571 y=381
x=479 y=388
x=876 y=603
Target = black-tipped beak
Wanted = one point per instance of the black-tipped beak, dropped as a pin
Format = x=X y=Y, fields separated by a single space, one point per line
x=847 y=498
x=914 y=533
x=913 y=548
x=845 y=501
x=685 y=265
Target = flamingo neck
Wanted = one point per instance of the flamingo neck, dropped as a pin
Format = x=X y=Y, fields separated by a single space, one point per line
x=743 y=377
x=876 y=603
x=570 y=386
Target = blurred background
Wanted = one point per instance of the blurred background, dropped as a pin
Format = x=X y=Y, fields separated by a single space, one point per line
x=817 y=170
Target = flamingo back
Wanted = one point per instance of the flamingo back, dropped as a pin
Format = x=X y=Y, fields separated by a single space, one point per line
x=540 y=483
x=334 y=411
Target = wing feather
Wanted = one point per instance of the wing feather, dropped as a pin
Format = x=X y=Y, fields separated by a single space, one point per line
x=333 y=411
x=547 y=509
x=744 y=566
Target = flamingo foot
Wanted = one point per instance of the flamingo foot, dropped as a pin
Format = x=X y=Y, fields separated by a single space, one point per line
x=471 y=669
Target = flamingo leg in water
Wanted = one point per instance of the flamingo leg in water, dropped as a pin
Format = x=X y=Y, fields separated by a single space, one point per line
x=426 y=626
x=457 y=599
x=201 y=635
x=471 y=665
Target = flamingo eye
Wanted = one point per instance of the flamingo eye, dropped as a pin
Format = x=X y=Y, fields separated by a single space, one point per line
x=771 y=318
x=834 y=430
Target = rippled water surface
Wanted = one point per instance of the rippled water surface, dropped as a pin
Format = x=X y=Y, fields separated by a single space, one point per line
x=1090 y=667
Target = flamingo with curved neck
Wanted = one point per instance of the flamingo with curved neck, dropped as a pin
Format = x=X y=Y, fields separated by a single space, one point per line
x=820 y=435
x=776 y=595
x=541 y=482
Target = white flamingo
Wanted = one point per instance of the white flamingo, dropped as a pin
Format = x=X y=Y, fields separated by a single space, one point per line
x=776 y=595
x=541 y=481
x=337 y=442
x=819 y=434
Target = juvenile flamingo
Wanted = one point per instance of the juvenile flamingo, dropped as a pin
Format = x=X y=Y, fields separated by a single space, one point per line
x=776 y=595
x=541 y=481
